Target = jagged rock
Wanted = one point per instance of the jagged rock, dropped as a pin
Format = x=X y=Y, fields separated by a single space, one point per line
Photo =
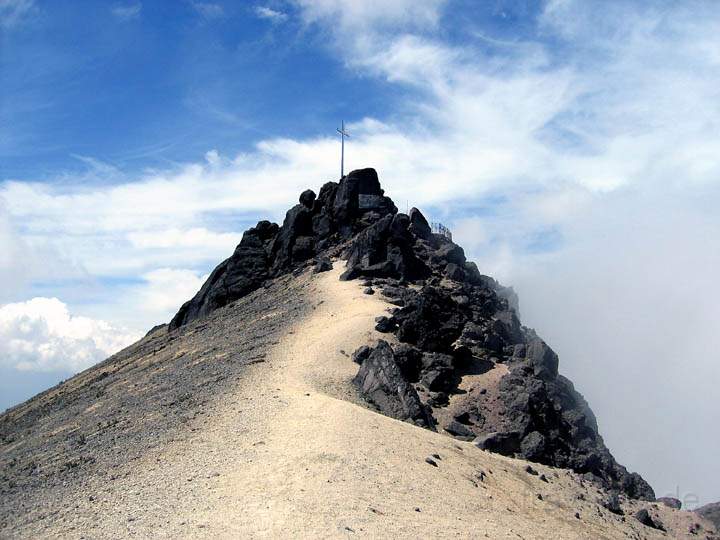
x=242 y=273
x=409 y=359
x=385 y=325
x=632 y=484
x=439 y=379
x=359 y=192
x=450 y=319
x=323 y=265
x=381 y=382
x=454 y=272
x=644 y=517
x=385 y=250
x=361 y=354
x=612 y=504
x=460 y=430
x=670 y=502
x=307 y=198
x=450 y=253
x=532 y=446
x=419 y=225
x=502 y=443
x=431 y=321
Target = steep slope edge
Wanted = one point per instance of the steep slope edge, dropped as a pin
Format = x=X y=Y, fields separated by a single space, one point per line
x=266 y=437
x=465 y=356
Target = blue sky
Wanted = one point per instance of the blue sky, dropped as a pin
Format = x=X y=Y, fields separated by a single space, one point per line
x=157 y=84
x=572 y=146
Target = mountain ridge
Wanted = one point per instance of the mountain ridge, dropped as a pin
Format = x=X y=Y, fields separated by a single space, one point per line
x=458 y=321
x=253 y=419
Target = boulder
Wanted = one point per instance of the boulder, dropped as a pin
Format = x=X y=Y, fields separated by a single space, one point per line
x=454 y=272
x=419 y=225
x=430 y=321
x=440 y=379
x=460 y=431
x=532 y=446
x=323 y=264
x=307 y=198
x=409 y=359
x=385 y=250
x=382 y=383
x=506 y=443
x=361 y=354
x=612 y=504
x=644 y=517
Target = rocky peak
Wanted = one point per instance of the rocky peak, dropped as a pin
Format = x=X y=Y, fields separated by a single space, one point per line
x=316 y=225
x=465 y=364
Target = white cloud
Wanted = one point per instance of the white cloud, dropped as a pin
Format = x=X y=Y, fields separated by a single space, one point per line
x=209 y=10
x=167 y=289
x=178 y=238
x=127 y=12
x=41 y=335
x=12 y=12
x=359 y=16
x=272 y=15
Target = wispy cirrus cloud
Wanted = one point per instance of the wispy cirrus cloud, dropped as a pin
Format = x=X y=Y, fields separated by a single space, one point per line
x=126 y=12
x=208 y=10
x=13 y=12
x=272 y=15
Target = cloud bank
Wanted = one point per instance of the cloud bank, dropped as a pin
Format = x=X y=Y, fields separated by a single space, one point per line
x=41 y=335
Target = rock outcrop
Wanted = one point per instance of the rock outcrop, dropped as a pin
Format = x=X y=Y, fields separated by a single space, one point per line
x=380 y=378
x=465 y=364
x=315 y=225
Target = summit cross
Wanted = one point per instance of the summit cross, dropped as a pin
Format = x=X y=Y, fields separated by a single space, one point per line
x=343 y=134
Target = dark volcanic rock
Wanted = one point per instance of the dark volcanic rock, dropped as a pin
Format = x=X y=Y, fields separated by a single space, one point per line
x=316 y=224
x=644 y=517
x=307 y=198
x=419 y=225
x=382 y=383
x=324 y=264
x=460 y=430
x=361 y=354
x=385 y=250
x=612 y=503
x=235 y=277
x=502 y=443
x=451 y=321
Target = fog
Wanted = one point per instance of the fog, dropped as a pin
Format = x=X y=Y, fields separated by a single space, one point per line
x=631 y=303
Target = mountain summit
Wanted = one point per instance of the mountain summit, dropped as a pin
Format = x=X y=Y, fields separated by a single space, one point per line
x=254 y=413
x=465 y=363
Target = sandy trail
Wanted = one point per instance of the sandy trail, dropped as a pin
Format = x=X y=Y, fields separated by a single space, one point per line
x=323 y=467
x=292 y=454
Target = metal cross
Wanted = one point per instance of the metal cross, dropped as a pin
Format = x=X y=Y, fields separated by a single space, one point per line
x=343 y=134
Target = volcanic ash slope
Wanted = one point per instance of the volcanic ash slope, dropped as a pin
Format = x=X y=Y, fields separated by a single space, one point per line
x=277 y=444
